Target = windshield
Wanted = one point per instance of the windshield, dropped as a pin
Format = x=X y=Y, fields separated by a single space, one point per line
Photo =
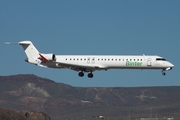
x=160 y=59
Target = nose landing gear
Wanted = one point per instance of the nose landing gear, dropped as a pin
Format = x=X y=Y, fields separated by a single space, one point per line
x=163 y=72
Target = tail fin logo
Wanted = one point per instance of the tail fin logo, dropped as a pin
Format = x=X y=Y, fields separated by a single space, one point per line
x=43 y=58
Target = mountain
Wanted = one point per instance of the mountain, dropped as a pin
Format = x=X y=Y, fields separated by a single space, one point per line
x=6 y=114
x=61 y=101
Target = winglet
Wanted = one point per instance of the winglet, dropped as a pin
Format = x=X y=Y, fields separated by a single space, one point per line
x=43 y=58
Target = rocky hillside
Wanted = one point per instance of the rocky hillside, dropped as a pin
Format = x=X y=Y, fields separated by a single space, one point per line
x=6 y=114
x=30 y=92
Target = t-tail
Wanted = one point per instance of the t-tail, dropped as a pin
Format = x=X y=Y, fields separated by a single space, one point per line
x=33 y=55
x=31 y=51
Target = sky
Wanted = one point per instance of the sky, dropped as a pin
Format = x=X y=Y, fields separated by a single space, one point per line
x=87 y=27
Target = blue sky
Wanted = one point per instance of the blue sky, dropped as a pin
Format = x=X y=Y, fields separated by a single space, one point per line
x=128 y=27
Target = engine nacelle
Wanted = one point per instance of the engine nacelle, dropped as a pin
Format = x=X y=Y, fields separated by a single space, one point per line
x=49 y=57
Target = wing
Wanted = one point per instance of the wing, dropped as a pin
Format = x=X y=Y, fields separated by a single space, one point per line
x=85 y=68
x=77 y=67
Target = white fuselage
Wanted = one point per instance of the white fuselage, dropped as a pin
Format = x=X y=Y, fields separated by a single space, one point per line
x=90 y=63
x=113 y=61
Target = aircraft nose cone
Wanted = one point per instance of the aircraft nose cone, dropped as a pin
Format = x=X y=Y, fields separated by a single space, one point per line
x=171 y=65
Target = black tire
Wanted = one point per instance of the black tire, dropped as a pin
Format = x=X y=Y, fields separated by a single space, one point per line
x=90 y=75
x=81 y=74
x=163 y=73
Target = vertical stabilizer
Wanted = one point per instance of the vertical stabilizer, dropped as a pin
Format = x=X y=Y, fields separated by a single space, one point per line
x=30 y=50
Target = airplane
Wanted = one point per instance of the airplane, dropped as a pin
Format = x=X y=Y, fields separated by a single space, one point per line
x=91 y=63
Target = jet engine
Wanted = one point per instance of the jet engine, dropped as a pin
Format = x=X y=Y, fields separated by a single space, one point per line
x=49 y=57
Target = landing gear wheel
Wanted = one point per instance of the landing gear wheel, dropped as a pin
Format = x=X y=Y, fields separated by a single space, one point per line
x=90 y=75
x=81 y=74
x=163 y=73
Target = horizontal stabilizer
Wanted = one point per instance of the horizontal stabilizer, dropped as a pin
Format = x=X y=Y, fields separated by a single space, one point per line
x=11 y=42
x=20 y=43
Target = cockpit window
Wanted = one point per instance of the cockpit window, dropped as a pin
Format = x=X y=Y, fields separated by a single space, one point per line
x=160 y=59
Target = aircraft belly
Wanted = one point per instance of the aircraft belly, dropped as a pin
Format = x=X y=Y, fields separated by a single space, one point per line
x=51 y=65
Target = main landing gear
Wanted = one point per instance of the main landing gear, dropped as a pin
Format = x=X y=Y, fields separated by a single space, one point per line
x=81 y=74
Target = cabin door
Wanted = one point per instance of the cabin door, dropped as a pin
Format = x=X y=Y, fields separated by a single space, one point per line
x=93 y=60
x=149 y=62
x=88 y=60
